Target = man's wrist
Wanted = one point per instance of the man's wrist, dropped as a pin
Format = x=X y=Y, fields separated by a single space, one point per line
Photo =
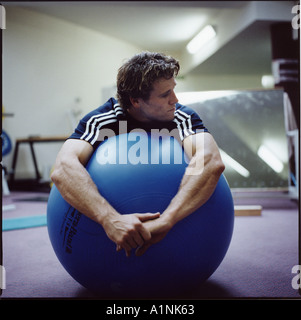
x=168 y=218
x=105 y=216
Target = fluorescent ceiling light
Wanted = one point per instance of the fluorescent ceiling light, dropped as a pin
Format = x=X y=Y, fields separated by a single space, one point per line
x=267 y=81
x=234 y=164
x=203 y=37
x=270 y=159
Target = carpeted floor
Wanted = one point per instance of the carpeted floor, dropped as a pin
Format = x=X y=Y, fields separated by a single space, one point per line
x=258 y=264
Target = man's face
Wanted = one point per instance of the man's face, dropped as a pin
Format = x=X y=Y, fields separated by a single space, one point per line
x=161 y=104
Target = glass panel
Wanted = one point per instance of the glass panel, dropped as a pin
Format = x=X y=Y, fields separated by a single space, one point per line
x=248 y=126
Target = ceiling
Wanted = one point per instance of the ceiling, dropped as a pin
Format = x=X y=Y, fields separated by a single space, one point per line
x=248 y=53
x=167 y=26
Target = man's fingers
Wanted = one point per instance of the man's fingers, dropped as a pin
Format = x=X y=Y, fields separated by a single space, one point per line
x=127 y=249
x=137 y=235
x=141 y=250
x=145 y=233
x=130 y=244
x=147 y=216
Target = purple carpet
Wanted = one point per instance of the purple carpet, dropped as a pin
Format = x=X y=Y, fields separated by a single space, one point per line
x=258 y=264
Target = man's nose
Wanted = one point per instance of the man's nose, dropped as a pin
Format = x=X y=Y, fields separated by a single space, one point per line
x=173 y=98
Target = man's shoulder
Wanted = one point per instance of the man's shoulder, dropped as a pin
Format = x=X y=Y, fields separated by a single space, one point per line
x=111 y=104
x=109 y=108
x=181 y=107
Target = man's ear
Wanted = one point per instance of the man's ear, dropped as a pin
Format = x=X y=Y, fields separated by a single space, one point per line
x=135 y=102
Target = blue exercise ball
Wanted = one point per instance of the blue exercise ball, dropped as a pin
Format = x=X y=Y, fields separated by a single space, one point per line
x=6 y=143
x=139 y=173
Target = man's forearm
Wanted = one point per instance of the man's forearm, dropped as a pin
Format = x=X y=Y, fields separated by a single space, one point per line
x=195 y=189
x=79 y=190
x=198 y=183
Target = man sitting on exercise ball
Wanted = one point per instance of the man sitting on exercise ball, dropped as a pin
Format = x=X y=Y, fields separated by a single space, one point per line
x=146 y=100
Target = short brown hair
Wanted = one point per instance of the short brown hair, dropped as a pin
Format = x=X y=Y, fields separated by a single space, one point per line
x=136 y=76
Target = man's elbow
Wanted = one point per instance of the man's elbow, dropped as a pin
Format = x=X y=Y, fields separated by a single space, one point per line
x=218 y=167
x=57 y=173
x=221 y=167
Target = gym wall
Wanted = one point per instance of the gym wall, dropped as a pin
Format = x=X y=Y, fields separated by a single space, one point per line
x=51 y=67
